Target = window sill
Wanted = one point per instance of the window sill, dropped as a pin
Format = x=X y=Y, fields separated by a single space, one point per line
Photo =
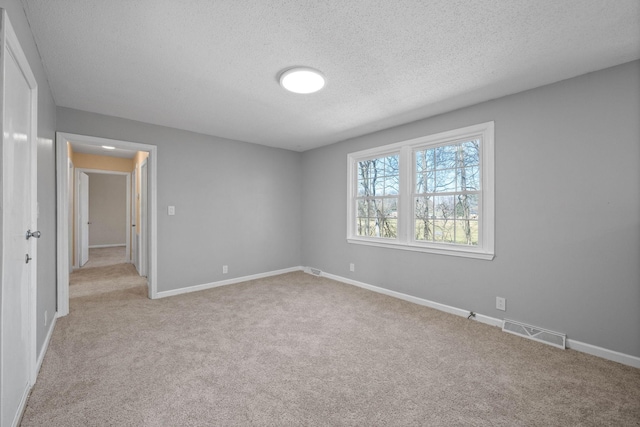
x=449 y=250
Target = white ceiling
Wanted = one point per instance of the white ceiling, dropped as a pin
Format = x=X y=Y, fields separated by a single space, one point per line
x=212 y=66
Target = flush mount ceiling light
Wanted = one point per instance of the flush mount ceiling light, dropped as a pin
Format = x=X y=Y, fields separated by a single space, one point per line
x=108 y=147
x=302 y=80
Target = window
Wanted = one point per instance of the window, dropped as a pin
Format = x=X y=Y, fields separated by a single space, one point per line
x=430 y=194
x=377 y=197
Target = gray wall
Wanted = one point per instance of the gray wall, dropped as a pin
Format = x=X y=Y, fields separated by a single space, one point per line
x=567 y=209
x=107 y=209
x=46 y=256
x=237 y=204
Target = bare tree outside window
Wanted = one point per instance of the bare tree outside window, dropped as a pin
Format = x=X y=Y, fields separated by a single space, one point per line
x=447 y=182
x=377 y=197
x=432 y=194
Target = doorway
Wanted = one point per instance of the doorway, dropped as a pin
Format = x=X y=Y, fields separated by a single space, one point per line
x=102 y=202
x=64 y=241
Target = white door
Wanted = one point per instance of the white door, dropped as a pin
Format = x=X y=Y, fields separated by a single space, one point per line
x=83 y=200
x=134 y=210
x=70 y=221
x=17 y=357
x=144 y=239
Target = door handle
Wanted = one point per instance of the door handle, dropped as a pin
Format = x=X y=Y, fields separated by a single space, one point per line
x=35 y=234
x=27 y=258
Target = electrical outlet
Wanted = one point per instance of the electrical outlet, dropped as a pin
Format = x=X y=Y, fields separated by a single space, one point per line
x=225 y=269
x=352 y=267
x=501 y=303
x=171 y=210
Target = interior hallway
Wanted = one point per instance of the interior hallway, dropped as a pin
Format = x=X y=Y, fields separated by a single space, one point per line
x=106 y=271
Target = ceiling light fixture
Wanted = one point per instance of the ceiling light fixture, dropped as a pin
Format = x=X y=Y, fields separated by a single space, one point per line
x=302 y=80
x=108 y=147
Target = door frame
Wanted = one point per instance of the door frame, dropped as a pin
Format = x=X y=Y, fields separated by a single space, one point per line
x=9 y=39
x=62 y=188
x=78 y=224
x=133 y=191
x=76 y=202
x=143 y=250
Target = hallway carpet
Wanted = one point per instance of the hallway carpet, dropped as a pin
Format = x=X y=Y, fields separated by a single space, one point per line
x=299 y=350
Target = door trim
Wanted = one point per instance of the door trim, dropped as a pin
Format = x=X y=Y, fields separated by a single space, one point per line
x=77 y=223
x=62 y=187
x=76 y=203
x=143 y=249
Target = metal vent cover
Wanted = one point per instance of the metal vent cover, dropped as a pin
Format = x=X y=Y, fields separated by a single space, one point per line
x=314 y=271
x=555 y=339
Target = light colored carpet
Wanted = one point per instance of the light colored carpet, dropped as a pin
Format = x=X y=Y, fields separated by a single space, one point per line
x=100 y=257
x=106 y=271
x=297 y=350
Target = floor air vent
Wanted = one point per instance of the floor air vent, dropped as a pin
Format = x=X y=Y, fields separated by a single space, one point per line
x=555 y=339
x=314 y=271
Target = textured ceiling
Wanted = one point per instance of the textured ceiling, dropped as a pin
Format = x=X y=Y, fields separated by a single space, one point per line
x=212 y=66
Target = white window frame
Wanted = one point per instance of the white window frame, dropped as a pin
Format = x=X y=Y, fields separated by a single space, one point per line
x=406 y=239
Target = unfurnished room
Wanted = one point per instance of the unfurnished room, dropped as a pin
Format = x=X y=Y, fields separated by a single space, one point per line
x=320 y=213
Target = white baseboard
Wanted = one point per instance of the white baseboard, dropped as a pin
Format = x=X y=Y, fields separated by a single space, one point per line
x=420 y=301
x=593 y=350
x=625 y=359
x=114 y=245
x=196 y=288
x=45 y=345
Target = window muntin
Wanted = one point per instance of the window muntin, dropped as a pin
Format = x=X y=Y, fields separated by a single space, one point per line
x=432 y=194
x=447 y=193
x=378 y=183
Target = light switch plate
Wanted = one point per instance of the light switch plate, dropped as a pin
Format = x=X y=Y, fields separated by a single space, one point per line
x=171 y=210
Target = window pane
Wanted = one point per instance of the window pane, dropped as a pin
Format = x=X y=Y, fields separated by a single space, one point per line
x=379 y=166
x=424 y=207
x=471 y=152
x=421 y=162
x=444 y=207
x=378 y=177
x=362 y=208
x=466 y=232
x=392 y=186
x=445 y=181
x=468 y=178
x=371 y=211
x=430 y=156
x=424 y=229
x=362 y=226
x=425 y=183
x=462 y=206
x=467 y=206
x=445 y=156
x=390 y=207
x=364 y=188
x=390 y=228
x=391 y=166
x=443 y=231
x=365 y=170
